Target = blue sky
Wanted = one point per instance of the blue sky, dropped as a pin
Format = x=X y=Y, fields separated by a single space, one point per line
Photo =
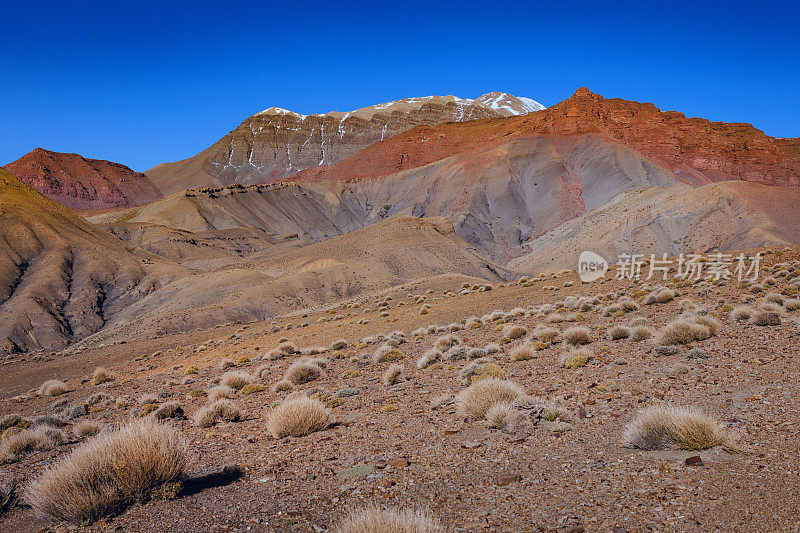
x=148 y=82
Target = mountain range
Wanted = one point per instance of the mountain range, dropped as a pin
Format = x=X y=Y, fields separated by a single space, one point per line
x=289 y=211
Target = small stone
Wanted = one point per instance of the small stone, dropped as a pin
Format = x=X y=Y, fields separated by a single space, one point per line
x=509 y=479
x=694 y=460
x=387 y=483
x=400 y=462
x=470 y=445
x=581 y=412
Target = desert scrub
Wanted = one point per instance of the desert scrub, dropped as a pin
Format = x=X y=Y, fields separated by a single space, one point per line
x=101 y=375
x=226 y=363
x=577 y=335
x=523 y=352
x=619 y=332
x=475 y=400
x=52 y=387
x=168 y=410
x=392 y=375
x=219 y=392
x=303 y=371
x=481 y=369
x=387 y=353
x=428 y=357
x=377 y=520
x=252 y=388
x=641 y=333
x=545 y=334
x=38 y=438
x=339 y=344
x=660 y=297
x=576 y=358
x=87 y=428
x=765 y=316
x=682 y=332
x=512 y=331
x=236 y=380
x=298 y=417
x=109 y=472
x=741 y=313
x=213 y=413
x=664 y=426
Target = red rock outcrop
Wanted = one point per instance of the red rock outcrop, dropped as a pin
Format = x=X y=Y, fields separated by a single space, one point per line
x=694 y=149
x=81 y=183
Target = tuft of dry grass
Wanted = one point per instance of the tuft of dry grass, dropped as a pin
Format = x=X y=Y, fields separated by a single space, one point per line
x=236 y=380
x=512 y=331
x=576 y=358
x=475 y=400
x=219 y=392
x=577 y=335
x=303 y=371
x=641 y=333
x=445 y=342
x=766 y=317
x=39 y=438
x=387 y=353
x=428 y=357
x=682 y=332
x=663 y=426
x=523 y=352
x=377 y=520
x=740 y=313
x=213 y=413
x=497 y=414
x=101 y=375
x=660 y=297
x=87 y=428
x=109 y=472
x=619 y=332
x=545 y=334
x=297 y=417
x=168 y=410
x=392 y=375
x=53 y=387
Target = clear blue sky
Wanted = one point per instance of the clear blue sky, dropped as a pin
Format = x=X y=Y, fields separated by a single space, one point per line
x=147 y=82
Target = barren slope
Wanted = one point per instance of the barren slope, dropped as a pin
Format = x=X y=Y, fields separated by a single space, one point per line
x=77 y=182
x=61 y=279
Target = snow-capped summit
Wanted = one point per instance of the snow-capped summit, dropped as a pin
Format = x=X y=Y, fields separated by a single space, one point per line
x=509 y=105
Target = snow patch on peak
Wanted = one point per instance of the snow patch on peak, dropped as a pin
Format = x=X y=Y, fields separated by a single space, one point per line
x=280 y=111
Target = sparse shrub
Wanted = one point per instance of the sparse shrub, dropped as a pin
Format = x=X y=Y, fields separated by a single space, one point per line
x=303 y=371
x=792 y=304
x=576 y=358
x=236 y=380
x=710 y=322
x=282 y=386
x=87 y=428
x=387 y=353
x=491 y=348
x=775 y=298
x=619 y=332
x=376 y=520
x=523 y=352
x=13 y=420
x=168 y=410
x=35 y=438
x=577 y=335
x=766 y=317
x=660 y=297
x=740 y=313
x=52 y=387
x=697 y=353
x=219 y=410
x=666 y=351
x=513 y=331
x=109 y=472
x=428 y=357
x=262 y=371
x=445 y=342
x=252 y=388
x=101 y=375
x=339 y=344
x=219 y=392
x=481 y=369
x=662 y=426
x=641 y=333
x=476 y=399
x=682 y=332
x=298 y=417
x=497 y=414
x=545 y=334
x=226 y=363
x=392 y=375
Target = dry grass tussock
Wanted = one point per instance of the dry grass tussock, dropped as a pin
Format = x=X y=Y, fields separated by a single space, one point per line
x=219 y=410
x=682 y=332
x=53 y=387
x=664 y=426
x=475 y=400
x=303 y=371
x=236 y=380
x=392 y=375
x=109 y=472
x=101 y=375
x=376 y=520
x=38 y=438
x=297 y=417
x=577 y=335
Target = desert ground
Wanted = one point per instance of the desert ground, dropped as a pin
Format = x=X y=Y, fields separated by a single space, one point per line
x=555 y=457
